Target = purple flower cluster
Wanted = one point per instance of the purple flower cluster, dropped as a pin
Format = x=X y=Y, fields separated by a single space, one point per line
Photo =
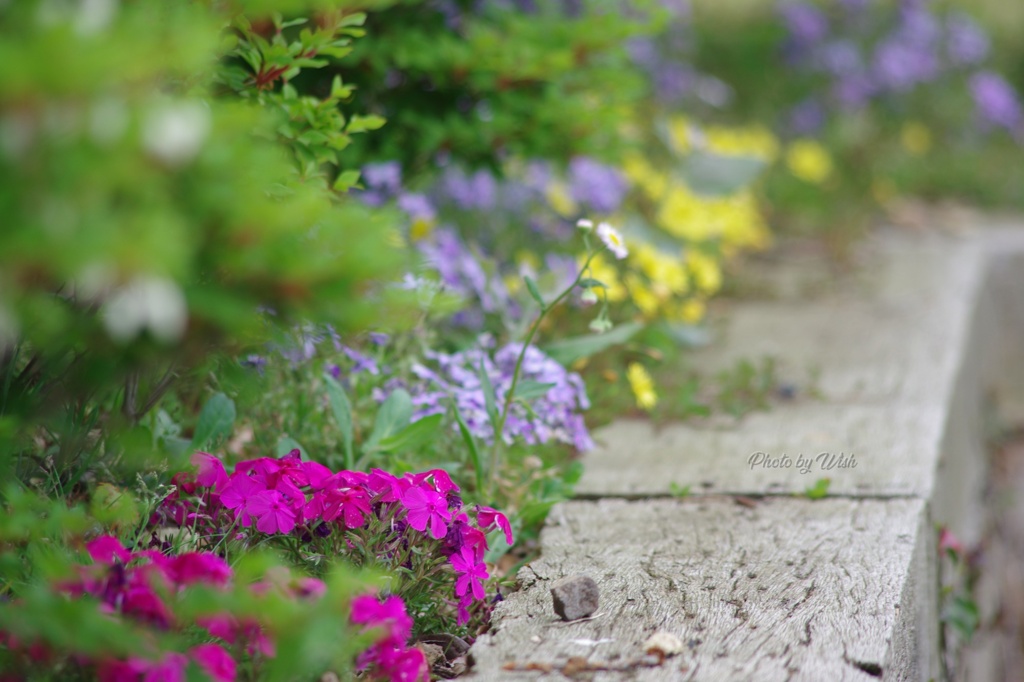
x=862 y=52
x=553 y=416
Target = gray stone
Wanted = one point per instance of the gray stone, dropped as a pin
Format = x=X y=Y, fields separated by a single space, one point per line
x=575 y=597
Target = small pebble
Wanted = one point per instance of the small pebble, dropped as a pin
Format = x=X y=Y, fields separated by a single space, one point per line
x=575 y=597
x=663 y=644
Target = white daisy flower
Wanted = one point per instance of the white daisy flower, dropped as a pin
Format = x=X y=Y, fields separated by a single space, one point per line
x=613 y=240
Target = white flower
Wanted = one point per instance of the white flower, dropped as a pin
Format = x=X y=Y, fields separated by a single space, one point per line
x=146 y=302
x=174 y=133
x=585 y=225
x=613 y=240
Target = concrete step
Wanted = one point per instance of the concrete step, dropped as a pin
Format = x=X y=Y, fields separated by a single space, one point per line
x=774 y=587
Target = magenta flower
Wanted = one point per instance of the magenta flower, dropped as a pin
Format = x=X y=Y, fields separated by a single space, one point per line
x=389 y=614
x=142 y=603
x=425 y=507
x=351 y=504
x=487 y=518
x=316 y=474
x=199 y=567
x=384 y=484
x=442 y=481
x=215 y=662
x=107 y=549
x=273 y=515
x=405 y=665
x=472 y=573
x=211 y=471
x=465 y=601
x=239 y=490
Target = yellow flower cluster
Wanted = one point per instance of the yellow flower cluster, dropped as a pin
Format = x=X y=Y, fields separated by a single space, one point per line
x=642 y=386
x=809 y=161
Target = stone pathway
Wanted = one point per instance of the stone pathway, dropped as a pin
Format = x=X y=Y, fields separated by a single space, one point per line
x=759 y=584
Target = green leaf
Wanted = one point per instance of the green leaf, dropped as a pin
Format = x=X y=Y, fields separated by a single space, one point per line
x=286 y=444
x=528 y=389
x=342 y=409
x=531 y=286
x=360 y=124
x=569 y=350
x=590 y=283
x=819 y=490
x=474 y=451
x=216 y=421
x=346 y=180
x=412 y=436
x=678 y=490
x=392 y=417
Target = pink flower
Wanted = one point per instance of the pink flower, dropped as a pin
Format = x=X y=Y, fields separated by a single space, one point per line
x=316 y=474
x=949 y=542
x=196 y=567
x=487 y=518
x=390 y=614
x=406 y=665
x=425 y=507
x=472 y=573
x=385 y=485
x=142 y=603
x=349 y=503
x=464 y=603
x=442 y=481
x=215 y=662
x=239 y=490
x=273 y=515
x=107 y=549
x=211 y=471
x=310 y=588
x=171 y=668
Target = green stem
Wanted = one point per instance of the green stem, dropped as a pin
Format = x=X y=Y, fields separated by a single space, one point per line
x=499 y=428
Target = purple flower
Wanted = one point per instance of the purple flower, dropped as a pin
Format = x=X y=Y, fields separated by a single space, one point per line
x=488 y=518
x=417 y=206
x=596 y=185
x=805 y=22
x=469 y=192
x=367 y=610
x=967 y=44
x=807 y=117
x=361 y=363
x=379 y=338
x=995 y=100
x=385 y=176
x=426 y=508
x=471 y=573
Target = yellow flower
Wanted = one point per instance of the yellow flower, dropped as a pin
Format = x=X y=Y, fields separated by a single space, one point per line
x=642 y=385
x=603 y=272
x=661 y=268
x=755 y=141
x=707 y=274
x=642 y=175
x=420 y=229
x=557 y=194
x=686 y=215
x=642 y=296
x=916 y=138
x=679 y=134
x=809 y=161
x=692 y=311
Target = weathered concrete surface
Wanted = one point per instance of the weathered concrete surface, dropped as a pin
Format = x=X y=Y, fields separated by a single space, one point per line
x=782 y=590
x=908 y=353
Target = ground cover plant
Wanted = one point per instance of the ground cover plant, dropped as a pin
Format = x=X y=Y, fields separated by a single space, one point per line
x=308 y=308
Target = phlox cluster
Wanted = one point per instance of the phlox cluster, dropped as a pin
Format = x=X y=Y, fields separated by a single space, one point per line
x=377 y=513
x=141 y=586
x=863 y=52
x=554 y=416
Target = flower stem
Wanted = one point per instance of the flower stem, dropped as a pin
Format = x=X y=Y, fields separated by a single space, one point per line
x=499 y=428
